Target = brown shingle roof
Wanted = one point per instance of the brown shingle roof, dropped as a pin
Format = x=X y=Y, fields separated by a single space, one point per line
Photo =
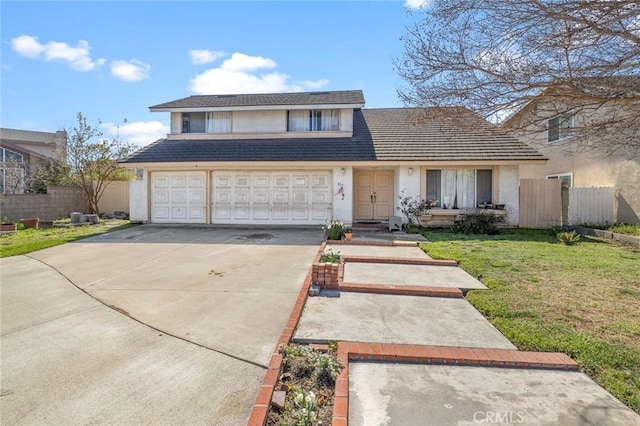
x=391 y=134
x=447 y=134
x=349 y=97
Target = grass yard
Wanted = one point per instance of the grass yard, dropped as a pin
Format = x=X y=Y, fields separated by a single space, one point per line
x=28 y=240
x=583 y=300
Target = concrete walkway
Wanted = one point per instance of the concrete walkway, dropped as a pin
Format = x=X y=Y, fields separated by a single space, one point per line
x=394 y=327
x=167 y=325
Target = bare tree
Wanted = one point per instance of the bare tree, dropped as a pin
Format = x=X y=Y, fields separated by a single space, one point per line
x=93 y=161
x=495 y=56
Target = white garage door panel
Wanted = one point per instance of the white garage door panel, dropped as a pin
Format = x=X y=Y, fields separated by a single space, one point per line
x=271 y=198
x=178 y=197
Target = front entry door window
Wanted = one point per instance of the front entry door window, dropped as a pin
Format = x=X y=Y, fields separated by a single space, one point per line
x=374 y=194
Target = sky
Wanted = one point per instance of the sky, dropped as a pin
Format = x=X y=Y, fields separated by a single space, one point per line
x=112 y=60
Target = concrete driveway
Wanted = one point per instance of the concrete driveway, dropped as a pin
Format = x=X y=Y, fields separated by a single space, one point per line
x=194 y=315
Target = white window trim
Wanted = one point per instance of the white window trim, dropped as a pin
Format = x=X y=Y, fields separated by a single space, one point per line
x=559 y=175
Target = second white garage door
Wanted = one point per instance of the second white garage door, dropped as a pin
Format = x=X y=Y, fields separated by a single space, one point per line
x=271 y=198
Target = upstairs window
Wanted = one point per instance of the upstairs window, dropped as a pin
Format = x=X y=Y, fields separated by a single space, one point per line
x=314 y=120
x=560 y=127
x=461 y=188
x=206 y=122
x=10 y=156
x=218 y=122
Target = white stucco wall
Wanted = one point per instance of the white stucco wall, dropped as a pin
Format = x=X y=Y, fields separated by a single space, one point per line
x=343 y=203
x=176 y=122
x=346 y=120
x=259 y=121
x=410 y=183
x=138 y=199
x=509 y=192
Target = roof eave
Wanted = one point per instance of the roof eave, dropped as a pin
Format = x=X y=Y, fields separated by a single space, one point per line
x=256 y=107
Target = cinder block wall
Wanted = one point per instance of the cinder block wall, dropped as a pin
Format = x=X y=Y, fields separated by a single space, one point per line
x=57 y=203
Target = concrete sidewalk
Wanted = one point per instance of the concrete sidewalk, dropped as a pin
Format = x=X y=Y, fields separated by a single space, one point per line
x=409 y=394
x=396 y=319
x=385 y=393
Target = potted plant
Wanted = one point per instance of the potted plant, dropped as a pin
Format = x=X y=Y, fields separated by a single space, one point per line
x=334 y=229
x=348 y=233
x=7 y=225
x=31 y=222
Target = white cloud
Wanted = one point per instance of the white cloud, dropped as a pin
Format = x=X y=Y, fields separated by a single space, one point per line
x=242 y=73
x=199 y=57
x=242 y=62
x=78 y=57
x=133 y=70
x=416 y=4
x=315 y=84
x=139 y=133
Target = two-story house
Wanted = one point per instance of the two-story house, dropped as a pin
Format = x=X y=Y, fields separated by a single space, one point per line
x=589 y=132
x=21 y=150
x=305 y=158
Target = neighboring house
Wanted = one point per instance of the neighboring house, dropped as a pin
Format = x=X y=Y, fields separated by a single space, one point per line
x=583 y=132
x=304 y=158
x=21 y=150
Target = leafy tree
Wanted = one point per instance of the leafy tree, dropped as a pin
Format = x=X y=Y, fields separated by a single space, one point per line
x=494 y=56
x=93 y=162
x=49 y=172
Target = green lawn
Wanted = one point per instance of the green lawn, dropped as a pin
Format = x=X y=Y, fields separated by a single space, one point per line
x=583 y=300
x=28 y=240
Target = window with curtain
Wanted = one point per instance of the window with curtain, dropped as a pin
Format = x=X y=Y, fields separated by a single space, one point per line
x=315 y=120
x=218 y=122
x=459 y=188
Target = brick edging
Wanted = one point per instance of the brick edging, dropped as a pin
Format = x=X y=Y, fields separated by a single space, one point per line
x=374 y=243
x=261 y=406
x=453 y=355
x=439 y=355
x=398 y=260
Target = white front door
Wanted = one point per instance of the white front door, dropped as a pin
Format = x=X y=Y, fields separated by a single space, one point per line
x=178 y=197
x=281 y=197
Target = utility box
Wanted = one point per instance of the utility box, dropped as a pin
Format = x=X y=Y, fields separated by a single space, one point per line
x=395 y=223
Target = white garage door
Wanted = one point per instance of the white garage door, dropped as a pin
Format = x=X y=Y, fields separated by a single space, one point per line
x=271 y=197
x=178 y=197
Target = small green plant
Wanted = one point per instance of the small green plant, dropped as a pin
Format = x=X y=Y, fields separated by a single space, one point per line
x=479 y=222
x=307 y=404
x=307 y=360
x=334 y=229
x=330 y=256
x=568 y=238
x=328 y=366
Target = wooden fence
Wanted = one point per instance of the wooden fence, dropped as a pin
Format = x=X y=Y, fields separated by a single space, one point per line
x=540 y=203
x=545 y=203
